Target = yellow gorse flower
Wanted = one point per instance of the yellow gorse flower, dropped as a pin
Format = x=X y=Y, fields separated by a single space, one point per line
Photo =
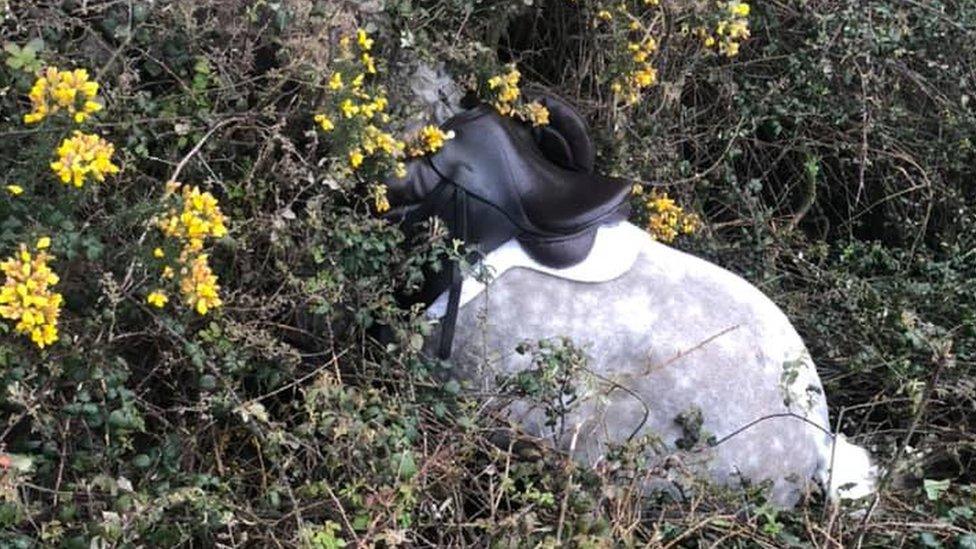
x=667 y=219
x=335 y=81
x=324 y=122
x=198 y=285
x=537 y=114
x=506 y=89
x=349 y=109
x=191 y=225
x=363 y=39
x=628 y=25
x=26 y=296
x=15 y=190
x=369 y=63
x=429 y=139
x=380 y=200
x=642 y=74
x=358 y=110
x=507 y=95
x=157 y=299
x=739 y=9
x=730 y=31
x=433 y=137
x=375 y=139
x=200 y=218
x=56 y=90
x=371 y=108
x=356 y=158
x=82 y=155
x=643 y=49
x=645 y=77
x=400 y=170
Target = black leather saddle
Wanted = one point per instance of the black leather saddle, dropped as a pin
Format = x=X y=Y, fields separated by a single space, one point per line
x=498 y=179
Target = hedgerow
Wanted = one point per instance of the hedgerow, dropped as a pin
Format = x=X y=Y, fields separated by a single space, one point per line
x=209 y=346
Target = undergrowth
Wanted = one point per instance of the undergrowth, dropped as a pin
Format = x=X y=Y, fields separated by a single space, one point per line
x=279 y=398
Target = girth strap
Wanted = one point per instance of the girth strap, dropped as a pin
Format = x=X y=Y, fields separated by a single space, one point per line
x=454 y=297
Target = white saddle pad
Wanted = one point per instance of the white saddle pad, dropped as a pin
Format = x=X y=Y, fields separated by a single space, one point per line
x=614 y=251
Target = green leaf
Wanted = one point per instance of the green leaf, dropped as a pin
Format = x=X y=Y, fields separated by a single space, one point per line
x=416 y=342
x=966 y=541
x=360 y=521
x=928 y=539
x=452 y=387
x=960 y=512
x=404 y=464
x=34 y=46
x=935 y=488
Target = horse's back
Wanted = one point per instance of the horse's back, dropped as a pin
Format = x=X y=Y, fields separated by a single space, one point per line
x=672 y=336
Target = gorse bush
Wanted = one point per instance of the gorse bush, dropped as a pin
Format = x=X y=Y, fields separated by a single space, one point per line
x=27 y=298
x=202 y=337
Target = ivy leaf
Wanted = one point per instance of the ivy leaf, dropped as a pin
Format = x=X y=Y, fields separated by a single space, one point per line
x=935 y=488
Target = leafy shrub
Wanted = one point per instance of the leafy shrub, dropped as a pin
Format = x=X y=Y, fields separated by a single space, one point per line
x=827 y=158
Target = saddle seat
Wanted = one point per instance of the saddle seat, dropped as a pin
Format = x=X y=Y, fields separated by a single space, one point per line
x=512 y=190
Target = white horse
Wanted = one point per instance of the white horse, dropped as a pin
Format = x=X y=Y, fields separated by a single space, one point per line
x=666 y=335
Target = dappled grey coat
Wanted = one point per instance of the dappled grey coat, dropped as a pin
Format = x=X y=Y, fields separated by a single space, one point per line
x=670 y=336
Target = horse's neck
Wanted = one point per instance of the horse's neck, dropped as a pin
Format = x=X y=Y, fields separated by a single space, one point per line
x=614 y=251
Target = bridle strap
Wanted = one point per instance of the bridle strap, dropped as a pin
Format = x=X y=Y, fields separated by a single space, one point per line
x=454 y=297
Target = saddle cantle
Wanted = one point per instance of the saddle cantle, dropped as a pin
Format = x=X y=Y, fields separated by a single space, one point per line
x=499 y=179
x=565 y=140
